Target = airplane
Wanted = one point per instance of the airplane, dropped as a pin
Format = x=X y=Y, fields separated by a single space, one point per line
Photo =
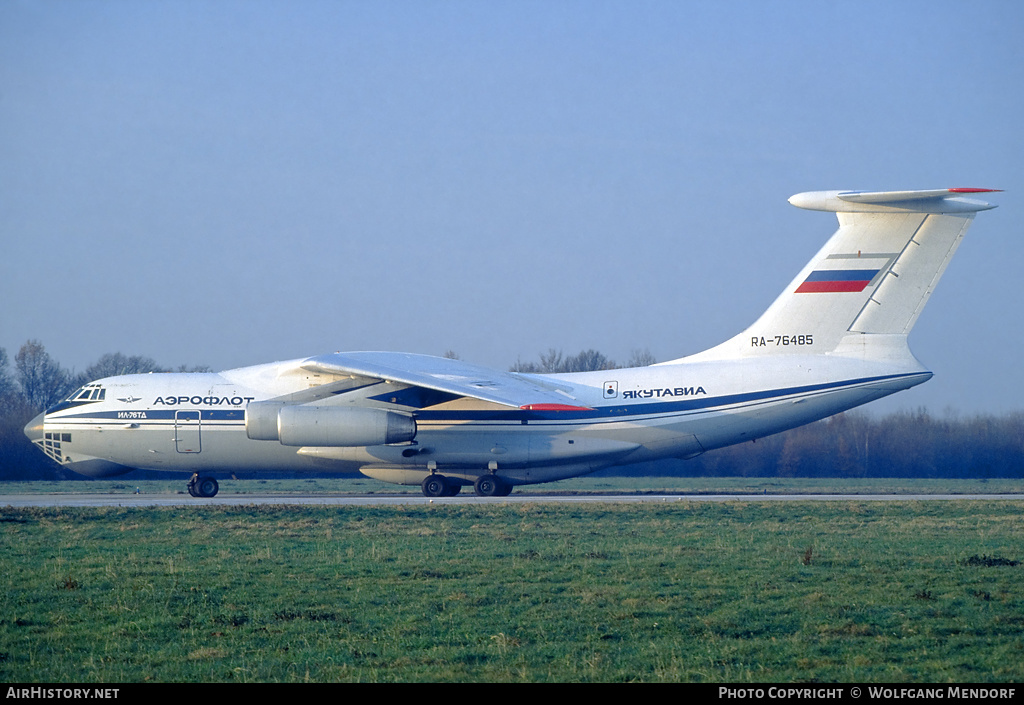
x=836 y=338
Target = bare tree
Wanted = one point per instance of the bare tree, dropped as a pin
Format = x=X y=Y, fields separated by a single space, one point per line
x=641 y=358
x=588 y=361
x=190 y=368
x=554 y=361
x=43 y=381
x=551 y=361
x=113 y=364
x=8 y=388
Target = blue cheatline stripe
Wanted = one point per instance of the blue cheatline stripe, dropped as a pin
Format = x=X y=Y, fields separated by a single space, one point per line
x=157 y=415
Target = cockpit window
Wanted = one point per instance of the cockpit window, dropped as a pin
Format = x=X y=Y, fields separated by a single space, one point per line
x=90 y=392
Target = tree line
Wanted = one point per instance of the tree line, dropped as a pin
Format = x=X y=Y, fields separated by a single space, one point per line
x=856 y=444
x=850 y=445
x=554 y=361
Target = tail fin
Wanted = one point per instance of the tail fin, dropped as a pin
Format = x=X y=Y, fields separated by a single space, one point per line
x=873 y=277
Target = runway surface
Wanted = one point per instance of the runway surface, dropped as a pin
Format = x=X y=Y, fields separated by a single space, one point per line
x=142 y=500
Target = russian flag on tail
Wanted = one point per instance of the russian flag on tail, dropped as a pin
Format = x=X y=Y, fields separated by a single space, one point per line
x=837 y=280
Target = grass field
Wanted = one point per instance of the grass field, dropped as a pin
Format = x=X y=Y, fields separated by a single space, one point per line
x=685 y=591
x=586 y=483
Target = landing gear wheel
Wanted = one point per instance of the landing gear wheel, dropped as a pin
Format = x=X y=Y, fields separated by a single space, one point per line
x=491 y=486
x=202 y=486
x=208 y=487
x=435 y=486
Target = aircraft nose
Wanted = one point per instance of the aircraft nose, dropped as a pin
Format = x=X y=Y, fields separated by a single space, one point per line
x=34 y=428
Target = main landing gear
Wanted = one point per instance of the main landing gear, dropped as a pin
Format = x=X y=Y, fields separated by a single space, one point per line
x=439 y=486
x=202 y=486
x=492 y=486
x=435 y=485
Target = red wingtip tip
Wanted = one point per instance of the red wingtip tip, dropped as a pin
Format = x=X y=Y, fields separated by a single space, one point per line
x=975 y=190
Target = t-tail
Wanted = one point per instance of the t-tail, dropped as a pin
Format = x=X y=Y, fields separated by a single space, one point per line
x=863 y=292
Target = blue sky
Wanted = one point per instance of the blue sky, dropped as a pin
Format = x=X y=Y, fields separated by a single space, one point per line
x=227 y=183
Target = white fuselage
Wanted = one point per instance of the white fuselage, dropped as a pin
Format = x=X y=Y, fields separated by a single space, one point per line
x=196 y=422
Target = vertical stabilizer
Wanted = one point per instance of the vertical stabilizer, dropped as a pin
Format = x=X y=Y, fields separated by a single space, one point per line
x=872 y=278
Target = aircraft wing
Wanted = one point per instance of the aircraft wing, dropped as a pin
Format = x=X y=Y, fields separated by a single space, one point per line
x=449 y=376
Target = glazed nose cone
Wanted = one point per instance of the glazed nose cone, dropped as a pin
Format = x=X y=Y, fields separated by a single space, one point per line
x=34 y=428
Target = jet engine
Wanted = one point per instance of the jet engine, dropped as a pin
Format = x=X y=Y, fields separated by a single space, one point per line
x=303 y=425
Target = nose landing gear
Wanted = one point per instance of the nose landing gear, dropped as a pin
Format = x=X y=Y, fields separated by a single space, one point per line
x=202 y=486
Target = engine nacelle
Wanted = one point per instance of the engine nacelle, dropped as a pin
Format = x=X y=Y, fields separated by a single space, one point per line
x=303 y=425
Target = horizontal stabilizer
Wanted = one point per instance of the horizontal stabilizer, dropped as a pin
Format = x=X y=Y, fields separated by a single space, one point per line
x=947 y=200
